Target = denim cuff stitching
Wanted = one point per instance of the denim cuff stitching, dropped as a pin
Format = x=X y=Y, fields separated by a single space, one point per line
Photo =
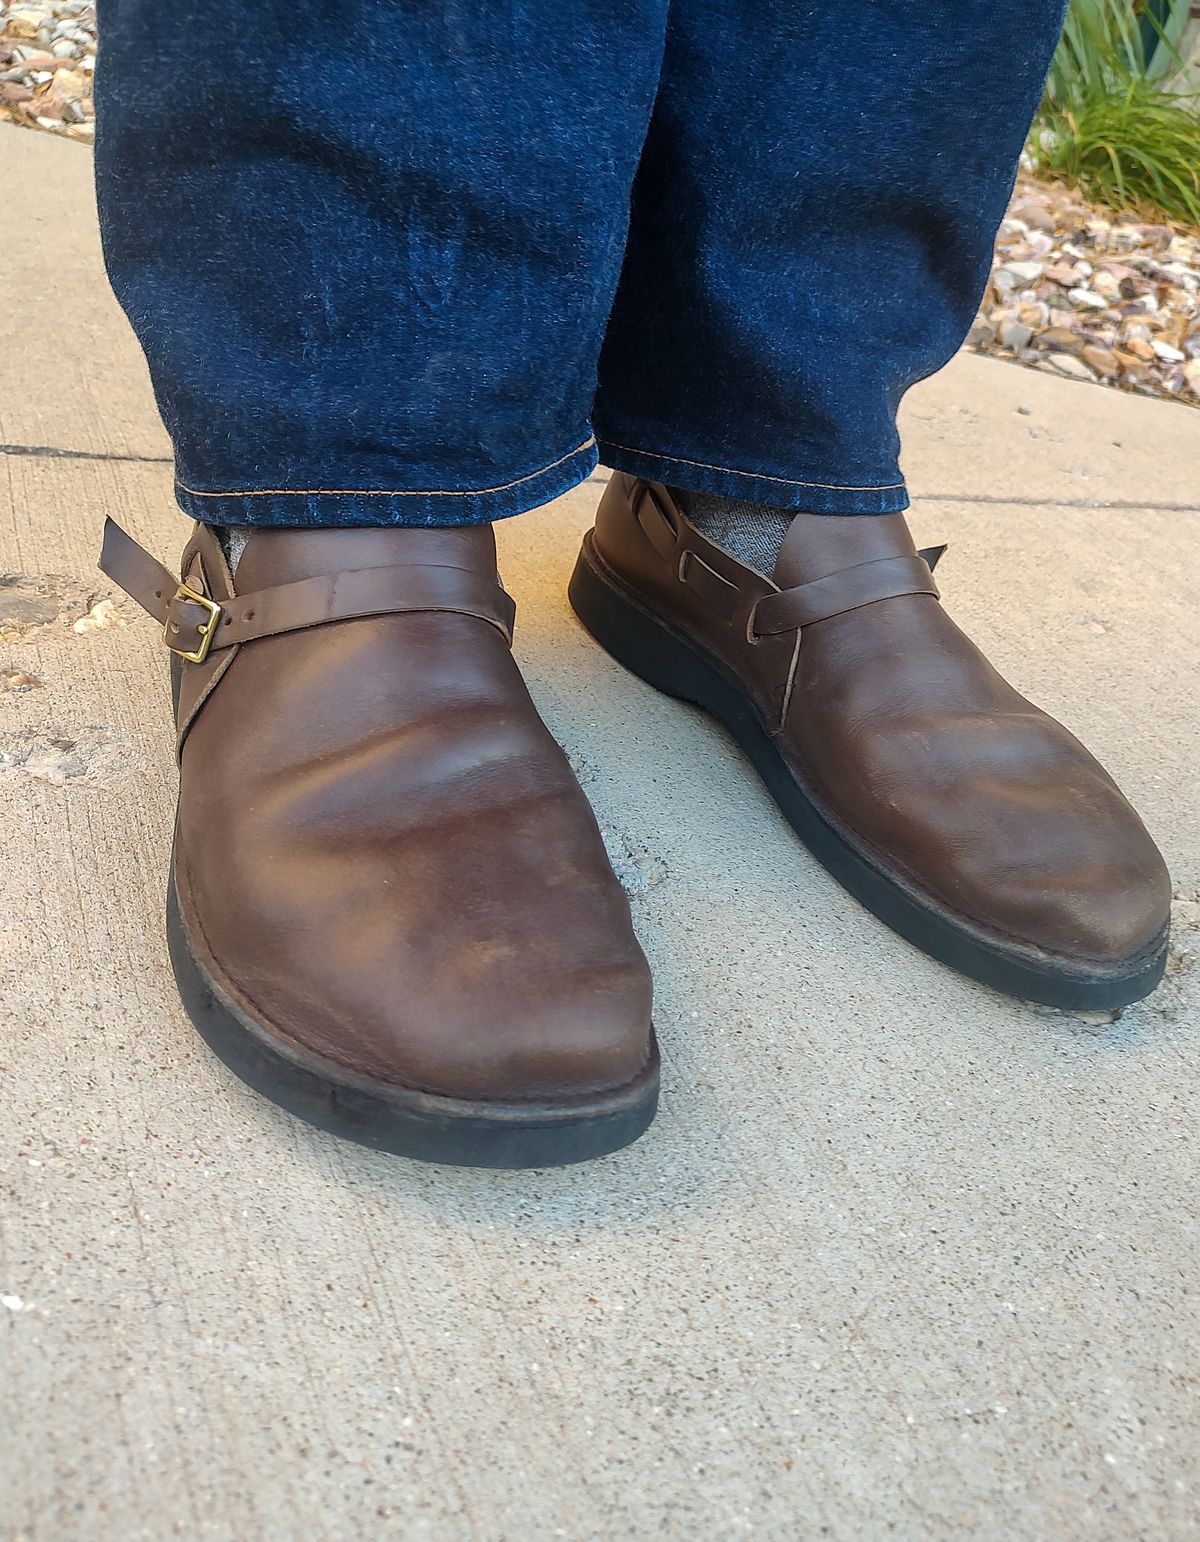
x=385 y=492
x=758 y=476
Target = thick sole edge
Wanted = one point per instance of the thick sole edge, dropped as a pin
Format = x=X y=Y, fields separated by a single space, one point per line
x=420 y=1125
x=661 y=657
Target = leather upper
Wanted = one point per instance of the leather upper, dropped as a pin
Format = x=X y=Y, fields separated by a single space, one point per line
x=382 y=855
x=899 y=728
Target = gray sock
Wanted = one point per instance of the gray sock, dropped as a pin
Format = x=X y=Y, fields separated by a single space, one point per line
x=751 y=532
x=233 y=540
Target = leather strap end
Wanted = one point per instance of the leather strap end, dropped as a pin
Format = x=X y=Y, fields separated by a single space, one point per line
x=133 y=569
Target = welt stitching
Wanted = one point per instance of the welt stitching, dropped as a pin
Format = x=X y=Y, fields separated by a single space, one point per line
x=381 y=492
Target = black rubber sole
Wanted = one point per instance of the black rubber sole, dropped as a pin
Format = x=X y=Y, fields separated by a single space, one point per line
x=672 y=664
x=426 y=1126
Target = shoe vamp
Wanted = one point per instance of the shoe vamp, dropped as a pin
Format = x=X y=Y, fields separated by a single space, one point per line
x=976 y=796
x=388 y=852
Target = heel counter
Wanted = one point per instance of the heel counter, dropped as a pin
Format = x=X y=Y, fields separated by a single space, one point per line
x=614 y=515
x=633 y=534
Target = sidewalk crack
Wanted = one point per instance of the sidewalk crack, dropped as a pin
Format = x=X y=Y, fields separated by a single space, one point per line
x=58 y=452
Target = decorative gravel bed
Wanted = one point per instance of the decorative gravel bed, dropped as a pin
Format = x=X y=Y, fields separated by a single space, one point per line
x=47 y=55
x=1092 y=294
x=1074 y=288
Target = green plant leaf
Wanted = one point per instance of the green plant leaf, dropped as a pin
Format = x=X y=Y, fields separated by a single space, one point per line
x=1113 y=126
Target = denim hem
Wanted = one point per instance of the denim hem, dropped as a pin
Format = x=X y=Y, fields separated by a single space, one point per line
x=813 y=497
x=350 y=507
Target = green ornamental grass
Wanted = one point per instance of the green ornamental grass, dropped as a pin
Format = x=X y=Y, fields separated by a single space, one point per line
x=1109 y=120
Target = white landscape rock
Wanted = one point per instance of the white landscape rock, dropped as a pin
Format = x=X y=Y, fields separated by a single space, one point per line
x=101 y=616
x=1068 y=364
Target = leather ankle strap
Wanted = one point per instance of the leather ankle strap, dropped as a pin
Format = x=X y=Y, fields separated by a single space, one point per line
x=848 y=589
x=195 y=625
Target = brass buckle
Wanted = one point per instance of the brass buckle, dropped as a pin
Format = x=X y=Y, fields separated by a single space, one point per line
x=207 y=632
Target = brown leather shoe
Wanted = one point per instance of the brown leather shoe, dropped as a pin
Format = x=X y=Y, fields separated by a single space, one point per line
x=956 y=811
x=390 y=907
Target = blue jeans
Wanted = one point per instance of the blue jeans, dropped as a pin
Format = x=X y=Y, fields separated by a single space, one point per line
x=424 y=263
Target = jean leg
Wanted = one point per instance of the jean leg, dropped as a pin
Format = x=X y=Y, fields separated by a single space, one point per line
x=813 y=219
x=370 y=249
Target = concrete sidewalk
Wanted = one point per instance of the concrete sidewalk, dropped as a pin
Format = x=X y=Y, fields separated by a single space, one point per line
x=900 y=1257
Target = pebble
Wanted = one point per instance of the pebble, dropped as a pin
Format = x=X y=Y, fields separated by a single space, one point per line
x=1033 y=215
x=67 y=87
x=1103 y=360
x=21 y=24
x=1025 y=272
x=1134 y=371
x=1068 y=364
x=18 y=681
x=1060 y=338
x=102 y=615
x=981 y=334
x=1015 y=334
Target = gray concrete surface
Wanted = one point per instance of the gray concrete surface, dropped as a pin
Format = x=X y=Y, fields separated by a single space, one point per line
x=900 y=1258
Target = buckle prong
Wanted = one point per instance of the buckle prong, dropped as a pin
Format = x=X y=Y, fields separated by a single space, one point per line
x=207 y=631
